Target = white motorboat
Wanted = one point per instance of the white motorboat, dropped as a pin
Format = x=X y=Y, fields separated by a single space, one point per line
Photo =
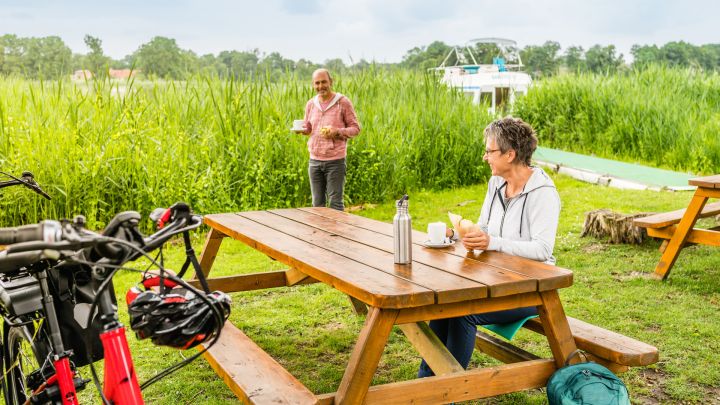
x=495 y=84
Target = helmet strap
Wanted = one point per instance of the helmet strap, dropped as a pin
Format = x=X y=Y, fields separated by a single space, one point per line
x=191 y=258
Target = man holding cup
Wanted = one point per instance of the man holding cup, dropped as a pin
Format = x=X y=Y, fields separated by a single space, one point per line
x=330 y=120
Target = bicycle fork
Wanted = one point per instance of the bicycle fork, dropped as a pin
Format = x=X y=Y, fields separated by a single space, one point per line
x=64 y=374
x=121 y=385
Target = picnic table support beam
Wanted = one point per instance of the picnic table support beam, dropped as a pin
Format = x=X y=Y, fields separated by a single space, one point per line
x=456 y=387
x=366 y=356
x=680 y=235
x=358 y=306
x=209 y=252
x=710 y=237
x=437 y=356
x=557 y=330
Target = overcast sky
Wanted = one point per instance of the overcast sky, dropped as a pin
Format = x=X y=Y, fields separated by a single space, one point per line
x=380 y=30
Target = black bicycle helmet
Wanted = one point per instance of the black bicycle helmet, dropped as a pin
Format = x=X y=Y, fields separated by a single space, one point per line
x=175 y=317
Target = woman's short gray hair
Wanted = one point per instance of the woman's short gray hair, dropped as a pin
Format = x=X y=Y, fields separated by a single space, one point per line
x=516 y=134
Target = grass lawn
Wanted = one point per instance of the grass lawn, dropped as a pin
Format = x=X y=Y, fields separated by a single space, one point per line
x=311 y=329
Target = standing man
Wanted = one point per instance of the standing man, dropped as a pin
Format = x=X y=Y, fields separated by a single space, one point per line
x=330 y=120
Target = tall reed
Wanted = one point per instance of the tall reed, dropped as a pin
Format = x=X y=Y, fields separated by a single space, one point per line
x=103 y=147
x=660 y=116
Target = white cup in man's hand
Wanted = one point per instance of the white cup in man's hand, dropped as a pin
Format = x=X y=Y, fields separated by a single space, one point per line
x=436 y=233
x=298 y=125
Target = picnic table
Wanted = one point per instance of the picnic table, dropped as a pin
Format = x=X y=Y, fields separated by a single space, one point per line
x=354 y=255
x=678 y=227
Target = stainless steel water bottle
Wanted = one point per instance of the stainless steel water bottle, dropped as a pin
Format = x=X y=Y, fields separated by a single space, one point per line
x=402 y=232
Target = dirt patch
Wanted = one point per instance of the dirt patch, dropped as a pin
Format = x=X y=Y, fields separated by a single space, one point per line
x=633 y=275
x=655 y=381
x=334 y=326
x=594 y=248
x=361 y=207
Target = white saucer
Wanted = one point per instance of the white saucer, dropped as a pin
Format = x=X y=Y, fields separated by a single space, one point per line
x=429 y=244
x=298 y=129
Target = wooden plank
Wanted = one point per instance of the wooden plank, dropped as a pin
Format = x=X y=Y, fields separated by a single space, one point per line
x=667 y=260
x=665 y=219
x=546 y=276
x=499 y=282
x=447 y=287
x=707 y=181
x=247 y=282
x=365 y=356
x=456 y=387
x=350 y=277
x=698 y=236
x=556 y=327
x=209 y=252
x=508 y=353
x=609 y=345
x=440 y=311
x=253 y=375
x=437 y=356
x=501 y=350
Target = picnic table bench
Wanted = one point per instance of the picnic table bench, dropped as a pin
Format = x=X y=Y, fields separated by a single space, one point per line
x=354 y=255
x=678 y=227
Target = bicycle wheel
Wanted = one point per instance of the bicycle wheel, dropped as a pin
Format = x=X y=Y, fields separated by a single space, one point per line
x=24 y=351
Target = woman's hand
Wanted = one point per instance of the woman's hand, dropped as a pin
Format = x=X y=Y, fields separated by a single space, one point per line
x=476 y=240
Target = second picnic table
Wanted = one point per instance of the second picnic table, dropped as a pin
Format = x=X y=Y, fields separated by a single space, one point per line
x=354 y=255
x=678 y=227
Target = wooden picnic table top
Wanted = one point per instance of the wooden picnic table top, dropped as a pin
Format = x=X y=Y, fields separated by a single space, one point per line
x=706 y=182
x=355 y=255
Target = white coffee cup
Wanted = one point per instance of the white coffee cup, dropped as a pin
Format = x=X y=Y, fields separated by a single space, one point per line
x=436 y=232
x=299 y=125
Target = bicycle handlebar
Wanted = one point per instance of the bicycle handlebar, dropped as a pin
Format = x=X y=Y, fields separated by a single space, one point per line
x=29 y=244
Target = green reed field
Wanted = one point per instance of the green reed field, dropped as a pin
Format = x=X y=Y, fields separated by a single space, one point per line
x=661 y=117
x=103 y=147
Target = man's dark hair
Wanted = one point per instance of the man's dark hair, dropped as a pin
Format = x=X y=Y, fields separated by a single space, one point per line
x=516 y=134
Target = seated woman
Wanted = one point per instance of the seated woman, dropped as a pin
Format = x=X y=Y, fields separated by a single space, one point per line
x=519 y=217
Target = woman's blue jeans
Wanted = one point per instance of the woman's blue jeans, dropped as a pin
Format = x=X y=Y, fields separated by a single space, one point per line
x=458 y=334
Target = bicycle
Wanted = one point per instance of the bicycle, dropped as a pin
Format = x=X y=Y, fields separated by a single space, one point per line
x=56 y=286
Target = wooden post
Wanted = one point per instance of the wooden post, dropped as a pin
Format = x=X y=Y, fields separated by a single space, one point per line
x=209 y=252
x=556 y=327
x=366 y=356
x=672 y=250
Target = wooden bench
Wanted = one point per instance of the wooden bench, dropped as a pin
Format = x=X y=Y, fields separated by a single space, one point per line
x=613 y=350
x=666 y=219
x=254 y=376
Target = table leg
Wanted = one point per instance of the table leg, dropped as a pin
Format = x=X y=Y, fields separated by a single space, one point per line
x=209 y=252
x=366 y=356
x=672 y=250
x=556 y=327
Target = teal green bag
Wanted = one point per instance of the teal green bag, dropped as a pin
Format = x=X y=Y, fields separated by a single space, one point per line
x=586 y=383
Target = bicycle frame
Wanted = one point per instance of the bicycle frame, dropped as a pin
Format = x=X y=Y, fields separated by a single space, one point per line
x=120 y=385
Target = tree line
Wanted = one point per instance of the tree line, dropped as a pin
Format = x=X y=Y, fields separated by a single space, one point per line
x=50 y=58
